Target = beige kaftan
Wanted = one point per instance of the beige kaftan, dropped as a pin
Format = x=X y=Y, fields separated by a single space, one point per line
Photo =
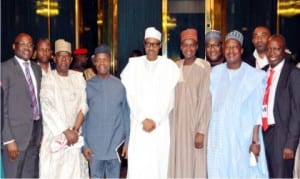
x=190 y=115
x=61 y=99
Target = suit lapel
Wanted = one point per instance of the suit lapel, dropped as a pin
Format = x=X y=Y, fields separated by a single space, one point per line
x=283 y=78
x=282 y=83
x=20 y=76
x=18 y=68
x=265 y=68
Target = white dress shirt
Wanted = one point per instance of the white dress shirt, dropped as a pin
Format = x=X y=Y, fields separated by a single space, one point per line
x=260 y=62
x=44 y=73
x=21 y=63
x=274 y=84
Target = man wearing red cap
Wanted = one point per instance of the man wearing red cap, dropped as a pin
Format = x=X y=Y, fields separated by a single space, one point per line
x=191 y=113
x=80 y=59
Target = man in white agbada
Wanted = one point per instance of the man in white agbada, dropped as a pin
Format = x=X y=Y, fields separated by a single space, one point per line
x=150 y=82
x=63 y=101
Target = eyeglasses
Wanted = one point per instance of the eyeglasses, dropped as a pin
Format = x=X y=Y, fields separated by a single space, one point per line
x=23 y=44
x=149 y=44
x=63 y=56
x=214 y=46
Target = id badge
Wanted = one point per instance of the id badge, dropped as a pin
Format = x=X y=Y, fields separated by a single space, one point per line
x=264 y=111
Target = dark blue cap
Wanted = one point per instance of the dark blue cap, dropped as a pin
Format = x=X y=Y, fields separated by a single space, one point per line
x=103 y=48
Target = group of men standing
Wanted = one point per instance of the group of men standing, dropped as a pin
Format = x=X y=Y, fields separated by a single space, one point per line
x=44 y=110
x=278 y=114
x=189 y=119
x=246 y=120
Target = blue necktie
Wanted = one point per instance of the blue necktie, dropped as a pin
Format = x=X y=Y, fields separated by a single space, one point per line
x=35 y=106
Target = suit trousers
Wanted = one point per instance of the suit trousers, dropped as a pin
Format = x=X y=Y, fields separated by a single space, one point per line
x=107 y=168
x=27 y=163
x=277 y=166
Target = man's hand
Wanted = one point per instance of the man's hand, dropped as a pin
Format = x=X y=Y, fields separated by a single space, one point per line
x=199 y=140
x=87 y=154
x=255 y=149
x=71 y=136
x=124 y=152
x=288 y=154
x=13 y=150
x=148 y=125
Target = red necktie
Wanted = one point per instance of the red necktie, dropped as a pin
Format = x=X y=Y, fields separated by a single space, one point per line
x=266 y=100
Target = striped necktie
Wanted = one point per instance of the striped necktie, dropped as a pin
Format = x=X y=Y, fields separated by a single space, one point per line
x=36 y=113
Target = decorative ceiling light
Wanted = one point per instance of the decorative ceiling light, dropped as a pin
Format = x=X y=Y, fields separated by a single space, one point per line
x=288 y=8
x=47 y=8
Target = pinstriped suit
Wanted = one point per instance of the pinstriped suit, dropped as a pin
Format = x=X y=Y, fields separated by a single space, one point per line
x=17 y=121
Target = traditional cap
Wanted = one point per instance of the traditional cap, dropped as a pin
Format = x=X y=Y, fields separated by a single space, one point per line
x=103 y=48
x=62 y=46
x=151 y=32
x=189 y=34
x=80 y=51
x=213 y=34
x=236 y=35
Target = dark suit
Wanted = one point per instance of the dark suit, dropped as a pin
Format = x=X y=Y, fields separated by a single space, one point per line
x=285 y=133
x=51 y=62
x=251 y=61
x=52 y=65
x=18 y=123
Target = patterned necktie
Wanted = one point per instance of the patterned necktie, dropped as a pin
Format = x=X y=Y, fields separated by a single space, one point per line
x=35 y=106
x=266 y=100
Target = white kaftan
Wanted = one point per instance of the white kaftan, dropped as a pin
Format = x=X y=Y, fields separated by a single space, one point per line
x=150 y=93
x=62 y=97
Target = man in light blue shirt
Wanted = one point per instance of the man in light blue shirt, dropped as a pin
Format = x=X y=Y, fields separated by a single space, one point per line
x=107 y=122
x=235 y=147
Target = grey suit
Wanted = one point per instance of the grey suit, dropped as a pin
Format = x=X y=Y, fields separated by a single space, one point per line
x=285 y=132
x=18 y=123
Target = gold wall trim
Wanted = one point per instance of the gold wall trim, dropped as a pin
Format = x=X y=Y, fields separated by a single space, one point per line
x=114 y=65
x=77 y=24
x=164 y=41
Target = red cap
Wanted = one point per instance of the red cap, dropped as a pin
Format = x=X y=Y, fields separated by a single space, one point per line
x=80 y=51
x=189 y=34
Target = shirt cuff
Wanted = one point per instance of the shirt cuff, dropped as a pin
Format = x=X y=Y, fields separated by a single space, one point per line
x=8 y=142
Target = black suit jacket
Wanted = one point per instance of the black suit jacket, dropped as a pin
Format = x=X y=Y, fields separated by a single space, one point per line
x=17 y=107
x=252 y=61
x=52 y=63
x=287 y=107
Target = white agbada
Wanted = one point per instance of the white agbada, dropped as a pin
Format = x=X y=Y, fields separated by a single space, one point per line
x=150 y=93
x=61 y=100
